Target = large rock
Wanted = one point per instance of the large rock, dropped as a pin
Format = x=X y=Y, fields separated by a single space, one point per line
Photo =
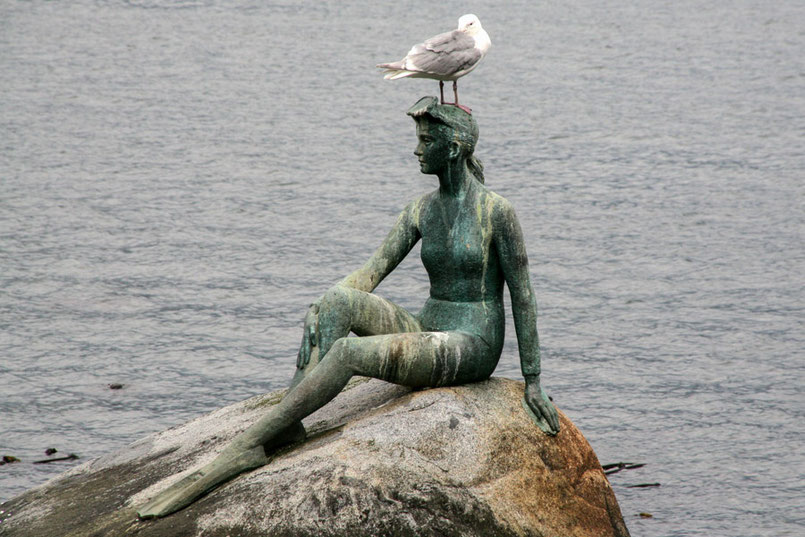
x=379 y=461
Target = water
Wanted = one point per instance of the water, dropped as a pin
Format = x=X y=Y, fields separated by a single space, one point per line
x=179 y=180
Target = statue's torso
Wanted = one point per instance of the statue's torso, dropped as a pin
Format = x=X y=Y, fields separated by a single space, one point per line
x=459 y=254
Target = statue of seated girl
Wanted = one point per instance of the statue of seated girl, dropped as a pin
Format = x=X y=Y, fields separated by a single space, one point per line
x=472 y=244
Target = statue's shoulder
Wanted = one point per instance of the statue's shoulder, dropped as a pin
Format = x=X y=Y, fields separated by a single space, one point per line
x=421 y=202
x=416 y=207
x=497 y=204
x=493 y=196
x=428 y=197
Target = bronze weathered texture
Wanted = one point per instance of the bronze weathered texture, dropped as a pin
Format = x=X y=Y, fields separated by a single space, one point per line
x=472 y=244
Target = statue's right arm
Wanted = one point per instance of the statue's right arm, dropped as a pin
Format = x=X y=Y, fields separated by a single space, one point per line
x=402 y=237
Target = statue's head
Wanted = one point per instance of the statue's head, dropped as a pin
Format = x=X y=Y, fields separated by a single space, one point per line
x=453 y=131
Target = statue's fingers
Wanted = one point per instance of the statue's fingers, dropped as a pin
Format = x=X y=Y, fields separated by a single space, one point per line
x=549 y=415
x=555 y=416
x=300 y=356
x=549 y=411
x=304 y=350
x=306 y=353
x=553 y=419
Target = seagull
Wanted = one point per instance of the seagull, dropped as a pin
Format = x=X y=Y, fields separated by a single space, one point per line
x=447 y=56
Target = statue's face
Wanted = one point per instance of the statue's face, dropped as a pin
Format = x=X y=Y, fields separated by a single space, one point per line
x=433 y=147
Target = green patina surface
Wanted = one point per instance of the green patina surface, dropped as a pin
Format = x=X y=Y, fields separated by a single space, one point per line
x=472 y=246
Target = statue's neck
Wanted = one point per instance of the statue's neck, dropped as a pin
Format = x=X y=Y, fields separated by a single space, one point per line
x=454 y=179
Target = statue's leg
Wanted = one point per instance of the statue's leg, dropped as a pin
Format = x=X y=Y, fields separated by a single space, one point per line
x=343 y=310
x=416 y=359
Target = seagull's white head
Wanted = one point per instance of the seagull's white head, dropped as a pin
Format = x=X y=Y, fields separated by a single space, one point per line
x=469 y=24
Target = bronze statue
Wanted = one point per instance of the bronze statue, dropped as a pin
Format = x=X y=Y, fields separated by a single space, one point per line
x=471 y=244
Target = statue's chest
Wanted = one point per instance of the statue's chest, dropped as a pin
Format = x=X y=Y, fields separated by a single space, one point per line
x=454 y=244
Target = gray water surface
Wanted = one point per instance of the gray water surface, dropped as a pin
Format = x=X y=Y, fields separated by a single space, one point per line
x=179 y=180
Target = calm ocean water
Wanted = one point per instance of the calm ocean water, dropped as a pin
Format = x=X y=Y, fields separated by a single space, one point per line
x=179 y=180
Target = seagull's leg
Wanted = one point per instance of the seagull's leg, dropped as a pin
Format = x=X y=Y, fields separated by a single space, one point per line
x=441 y=90
x=455 y=94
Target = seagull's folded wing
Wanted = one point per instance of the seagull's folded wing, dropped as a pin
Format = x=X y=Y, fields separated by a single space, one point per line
x=450 y=42
x=443 y=55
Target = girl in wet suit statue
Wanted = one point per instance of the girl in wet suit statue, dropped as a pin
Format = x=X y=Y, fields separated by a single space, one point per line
x=471 y=244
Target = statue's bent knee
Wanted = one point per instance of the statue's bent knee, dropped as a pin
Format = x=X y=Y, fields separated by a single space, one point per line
x=338 y=351
x=337 y=297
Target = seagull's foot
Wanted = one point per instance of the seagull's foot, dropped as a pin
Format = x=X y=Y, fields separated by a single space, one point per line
x=465 y=108
x=230 y=463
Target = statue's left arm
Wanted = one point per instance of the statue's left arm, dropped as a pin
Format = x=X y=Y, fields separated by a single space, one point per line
x=400 y=240
x=514 y=262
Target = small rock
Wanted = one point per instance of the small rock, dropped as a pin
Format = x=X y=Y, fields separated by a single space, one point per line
x=8 y=459
x=70 y=457
x=50 y=451
x=116 y=386
x=645 y=515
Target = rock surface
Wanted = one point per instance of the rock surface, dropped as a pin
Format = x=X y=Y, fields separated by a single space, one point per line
x=379 y=461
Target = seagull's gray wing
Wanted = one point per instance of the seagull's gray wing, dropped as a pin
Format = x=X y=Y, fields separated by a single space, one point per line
x=444 y=55
x=450 y=42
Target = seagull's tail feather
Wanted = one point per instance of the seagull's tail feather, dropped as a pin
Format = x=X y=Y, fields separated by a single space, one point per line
x=392 y=74
x=392 y=65
x=395 y=70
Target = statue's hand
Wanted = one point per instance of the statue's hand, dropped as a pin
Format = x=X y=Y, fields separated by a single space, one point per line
x=543 y=410
x=310 y=335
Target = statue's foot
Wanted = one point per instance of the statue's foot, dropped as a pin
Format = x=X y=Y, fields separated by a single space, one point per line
x=227 y=465
x=187 y=490
x=290 y=435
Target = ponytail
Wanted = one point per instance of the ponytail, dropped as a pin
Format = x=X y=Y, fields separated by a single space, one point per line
x=476 y=167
